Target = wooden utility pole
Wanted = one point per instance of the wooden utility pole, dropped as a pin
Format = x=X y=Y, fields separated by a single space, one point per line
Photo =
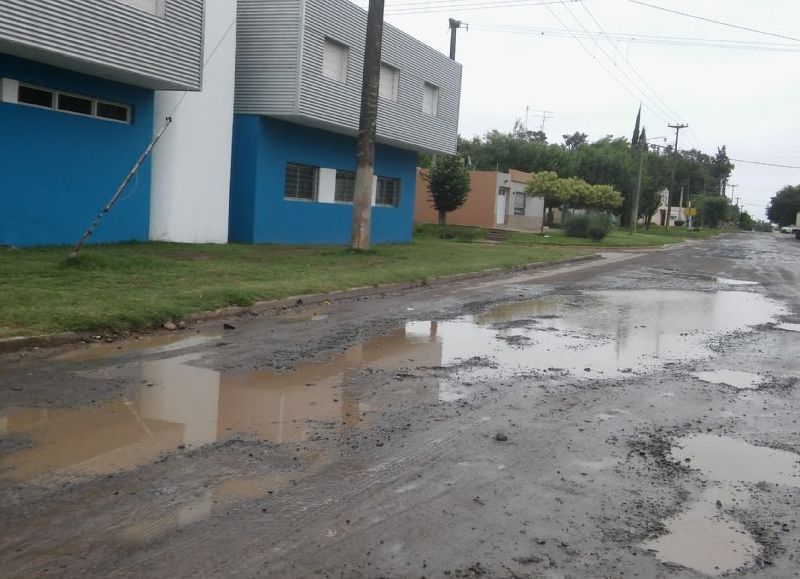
x=674 y=167
x=635 y=209
x=365 y=153
x=733 y=187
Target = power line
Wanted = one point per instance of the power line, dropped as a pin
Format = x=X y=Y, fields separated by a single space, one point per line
x=766 y=164
x=462 y=6
x=713 y=21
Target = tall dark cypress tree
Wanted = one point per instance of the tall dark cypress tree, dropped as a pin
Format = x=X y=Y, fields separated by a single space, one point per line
x=635 y=138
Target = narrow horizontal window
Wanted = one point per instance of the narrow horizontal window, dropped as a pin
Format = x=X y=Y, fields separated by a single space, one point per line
x=334 y=60
x=388 y=192
x=301 y=182
x=74 y=104
x=113 y=112
x=345 y=187
x=389 y=82
x=37 y=97
x=430 y=99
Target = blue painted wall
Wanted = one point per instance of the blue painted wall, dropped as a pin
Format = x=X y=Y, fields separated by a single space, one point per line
x=57 y=169
x=259 y=213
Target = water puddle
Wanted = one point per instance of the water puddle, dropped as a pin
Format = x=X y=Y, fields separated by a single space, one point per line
x=149 y=345
x=706 y=537
x=733 y=460
x=789 y=327
x=735 y=378
x=174 y=401
x=740 y=282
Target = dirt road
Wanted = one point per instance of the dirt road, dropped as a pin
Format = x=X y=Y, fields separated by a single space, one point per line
x=636 y=416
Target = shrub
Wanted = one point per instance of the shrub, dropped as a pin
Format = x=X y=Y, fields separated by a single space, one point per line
x=594 y=226
x=679 y=223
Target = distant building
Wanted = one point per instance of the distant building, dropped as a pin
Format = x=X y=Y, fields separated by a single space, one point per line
x=298 y=92
x=660 y=215
x=496 y=200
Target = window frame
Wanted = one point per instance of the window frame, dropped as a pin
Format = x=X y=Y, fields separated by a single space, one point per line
x=395 y=88
x=56 y=98
x=315 y=183
x=346 y=175
x=345 y=63
x=434 y=112
x=524 y=197
x=396 y=193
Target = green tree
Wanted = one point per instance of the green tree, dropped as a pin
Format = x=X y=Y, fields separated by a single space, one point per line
x=745 y=221
x=714 y=209
x=784 y=205
x=448 y=185
x=574 y=140
x=550 y=187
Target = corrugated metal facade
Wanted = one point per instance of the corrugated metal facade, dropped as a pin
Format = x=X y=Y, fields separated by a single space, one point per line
x=109 y=39
x=279 y=73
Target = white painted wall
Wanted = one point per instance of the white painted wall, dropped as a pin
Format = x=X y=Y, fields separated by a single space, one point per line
x=192 y=162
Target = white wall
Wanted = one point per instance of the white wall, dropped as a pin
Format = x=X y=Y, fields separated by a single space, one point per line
x=192 y=162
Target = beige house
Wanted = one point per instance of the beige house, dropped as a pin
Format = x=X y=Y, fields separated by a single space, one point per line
x=496 y=200
x=660 y=215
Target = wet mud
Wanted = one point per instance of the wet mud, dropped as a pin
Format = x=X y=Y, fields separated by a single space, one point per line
x=633 y=416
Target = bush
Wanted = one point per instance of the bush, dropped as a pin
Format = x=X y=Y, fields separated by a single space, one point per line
x=594 y=226
x=679 y=223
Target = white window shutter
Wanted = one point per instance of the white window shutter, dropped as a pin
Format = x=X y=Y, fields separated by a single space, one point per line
x=334 y=61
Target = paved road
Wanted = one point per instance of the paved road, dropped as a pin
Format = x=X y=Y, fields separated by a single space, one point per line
x=636 y=416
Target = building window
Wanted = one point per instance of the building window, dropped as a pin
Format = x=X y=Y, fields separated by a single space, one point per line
x=519 y=203
x=430 y=99
x=345 y=187
x=301 y=182
x=388 y=192
x=334 y=61
x=38 y=97
x=75 y=104
x=389 y=82
x=71 y=103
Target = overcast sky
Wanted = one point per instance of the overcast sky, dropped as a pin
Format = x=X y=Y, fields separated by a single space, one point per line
x=521 y=55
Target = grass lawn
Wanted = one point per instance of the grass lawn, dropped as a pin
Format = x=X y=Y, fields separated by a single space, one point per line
x=657 y=235
x=136 y=285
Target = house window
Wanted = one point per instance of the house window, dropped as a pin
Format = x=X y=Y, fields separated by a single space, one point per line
x=430 y=99
x=519 y=203
x=113 y=112
x=301 y=182
x=38 y=97
x=75 y=104
x=388 y=192
x=345 y=187
x=334 y=61
x=389 y=82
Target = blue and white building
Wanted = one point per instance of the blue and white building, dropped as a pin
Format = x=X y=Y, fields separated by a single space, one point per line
x=77 y=90
x=298 y=89
x=262 y=146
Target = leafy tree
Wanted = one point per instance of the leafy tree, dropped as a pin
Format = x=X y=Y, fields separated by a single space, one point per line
x=550 y=187
x=448 y=185
x=636 y=136
x=524 y=134
x=574 y=140
x=745 y=221
x=714 y=209
x=605 y=197
x=784 y=205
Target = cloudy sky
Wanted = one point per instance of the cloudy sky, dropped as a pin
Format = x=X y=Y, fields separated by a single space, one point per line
x=591 y=62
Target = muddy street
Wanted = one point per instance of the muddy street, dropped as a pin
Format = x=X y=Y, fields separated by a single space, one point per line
x=631 y=416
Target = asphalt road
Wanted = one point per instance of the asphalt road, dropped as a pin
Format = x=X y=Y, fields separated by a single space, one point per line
x=636 y=416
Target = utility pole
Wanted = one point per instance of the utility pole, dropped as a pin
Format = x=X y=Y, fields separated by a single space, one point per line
x=455 y=25
x=674 y=167
x=365 y=150
x=680 y=206
x=635 y=208
x=733 y=187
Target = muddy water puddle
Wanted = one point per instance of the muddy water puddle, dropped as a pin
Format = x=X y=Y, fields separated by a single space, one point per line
x=706 y=536
x=175 y=402
x=738 y=379
x=158 y=344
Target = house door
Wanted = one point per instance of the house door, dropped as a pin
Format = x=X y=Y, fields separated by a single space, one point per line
x=500 y=217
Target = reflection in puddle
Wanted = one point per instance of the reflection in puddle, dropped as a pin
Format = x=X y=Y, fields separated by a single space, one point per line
x=729 y=459
x=735 y=378
x=158 y=344
x=789 y=327
x=705 y=537
x=728 y=281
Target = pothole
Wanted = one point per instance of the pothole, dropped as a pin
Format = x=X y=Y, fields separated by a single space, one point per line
x=738 y=379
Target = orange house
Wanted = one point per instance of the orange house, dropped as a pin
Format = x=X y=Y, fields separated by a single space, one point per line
x=496 y=200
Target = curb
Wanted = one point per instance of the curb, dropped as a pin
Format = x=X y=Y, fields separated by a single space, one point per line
x=16 y=343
